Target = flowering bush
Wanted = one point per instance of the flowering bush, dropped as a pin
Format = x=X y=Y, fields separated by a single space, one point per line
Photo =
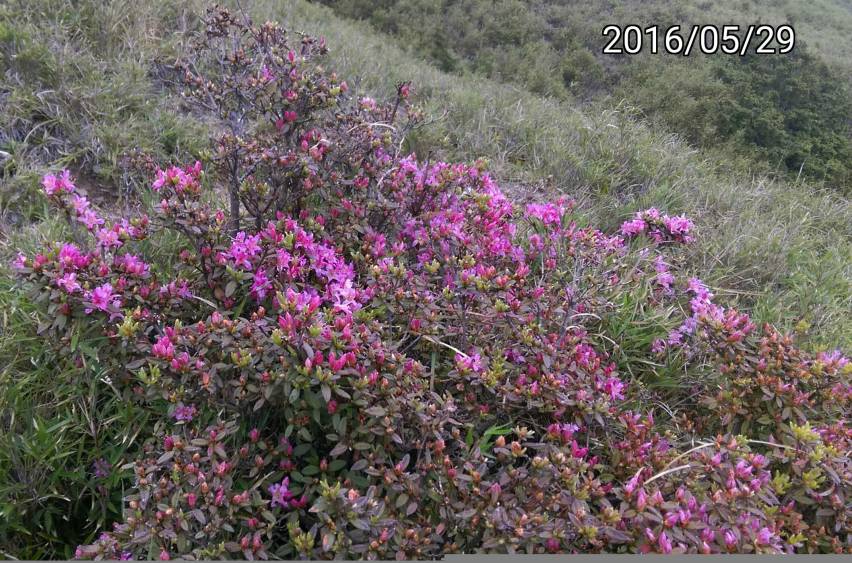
x=390 y=359
x=659 y=227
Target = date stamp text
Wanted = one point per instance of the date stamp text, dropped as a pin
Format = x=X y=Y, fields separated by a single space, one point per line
x=707 y=39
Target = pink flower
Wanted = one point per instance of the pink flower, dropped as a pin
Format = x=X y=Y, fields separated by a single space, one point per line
x=664 y=278
x=469 y=363
x=90 y=219
x=70 y=257
x=547 y=213
x=108 y=238
x=631 y=485
x=20 y=261
x=833 y=360
x=281 y=495
x=174 y=176
x=614 y=387
x=102 y=297
x=80 y=204
x=743 y=469
x=345 y=297
x=764 y=536
x=58 y=184
x=664 y=543
x=243 y=249
x=181 y=362
x=132 y=264
x=163 y=348
x=68 y=282
x=730 y=539
x=184 y=413
x=260 y=285
x=641 y=500
x=633 y=227
x=679 y=227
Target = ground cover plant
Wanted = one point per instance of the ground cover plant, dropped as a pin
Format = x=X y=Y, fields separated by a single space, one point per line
x=349 y=351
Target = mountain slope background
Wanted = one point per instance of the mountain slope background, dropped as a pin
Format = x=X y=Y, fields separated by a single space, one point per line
x=788 y=113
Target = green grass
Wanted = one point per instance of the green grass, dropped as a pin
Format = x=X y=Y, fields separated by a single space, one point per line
x=77 y=90
x=785 y=114
x=55 y=419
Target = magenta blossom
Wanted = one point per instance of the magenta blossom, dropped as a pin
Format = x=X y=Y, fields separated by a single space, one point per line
x=90 y=219
x=102 y=298
x=57 y=184
x=243 y=249
x=469 y=363
x=184 y=413
x=20 y=261
x=108 y=238
x=260 y=285
x=664 y=543
x=68 y=282
x=281 y=495
x=163 y=348
x=633 y=227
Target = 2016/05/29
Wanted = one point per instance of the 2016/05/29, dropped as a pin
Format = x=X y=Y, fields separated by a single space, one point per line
x=709 y=39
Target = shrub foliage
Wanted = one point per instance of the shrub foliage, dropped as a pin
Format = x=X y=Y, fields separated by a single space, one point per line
x=371 y=356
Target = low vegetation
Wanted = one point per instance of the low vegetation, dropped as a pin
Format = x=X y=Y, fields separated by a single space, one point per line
x=251 y=323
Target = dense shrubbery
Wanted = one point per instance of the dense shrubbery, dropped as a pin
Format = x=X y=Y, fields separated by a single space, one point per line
x=371 y=356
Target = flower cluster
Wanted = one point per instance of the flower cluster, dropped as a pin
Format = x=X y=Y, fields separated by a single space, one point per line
x=659 y=227
x=368 y=356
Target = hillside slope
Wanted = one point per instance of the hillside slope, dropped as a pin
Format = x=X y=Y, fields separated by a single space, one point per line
x=780 y=247
x=787 y=113
x=80 y=87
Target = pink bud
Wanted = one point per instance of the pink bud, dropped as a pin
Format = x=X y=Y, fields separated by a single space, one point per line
x=664 y=543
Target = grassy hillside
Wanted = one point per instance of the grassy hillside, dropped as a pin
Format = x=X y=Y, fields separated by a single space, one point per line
x=79 y=88
x=767 y=241
x=788 y=113
x=778 y=246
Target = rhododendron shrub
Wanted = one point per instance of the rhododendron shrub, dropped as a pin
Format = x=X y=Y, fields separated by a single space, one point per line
x=288 y=134
x=391 y=359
